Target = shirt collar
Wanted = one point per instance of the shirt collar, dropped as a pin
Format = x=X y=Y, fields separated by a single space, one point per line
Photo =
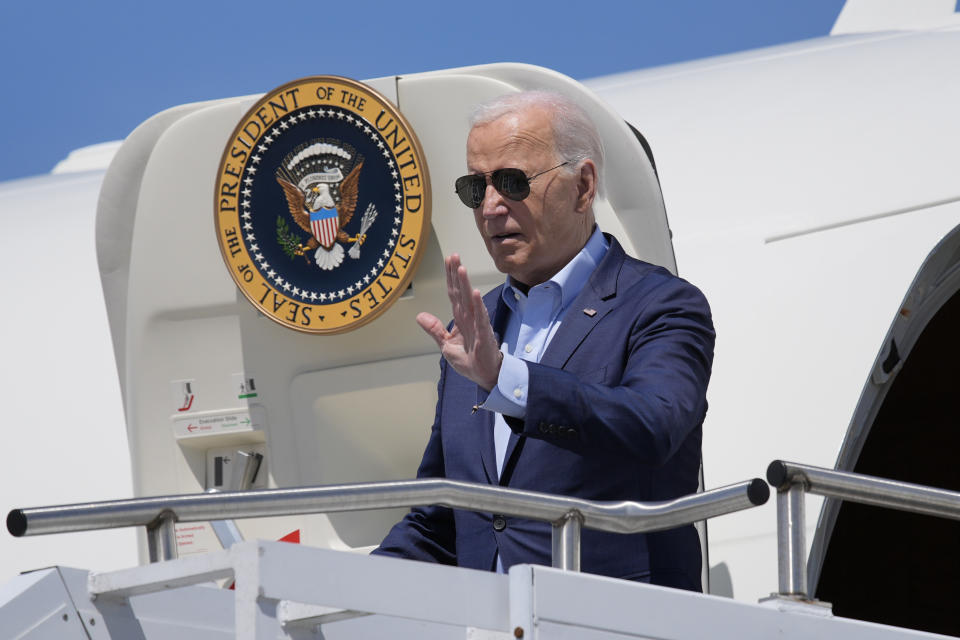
x=571 y=279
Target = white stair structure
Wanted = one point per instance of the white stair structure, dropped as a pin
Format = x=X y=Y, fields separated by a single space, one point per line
x=291 y=591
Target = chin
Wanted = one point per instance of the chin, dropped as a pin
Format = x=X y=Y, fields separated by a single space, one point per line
x=505 y=263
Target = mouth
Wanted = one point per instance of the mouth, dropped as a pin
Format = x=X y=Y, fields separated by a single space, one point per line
x=502 y=237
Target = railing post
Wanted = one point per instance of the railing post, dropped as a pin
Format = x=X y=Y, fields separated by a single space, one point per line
x=791 y=543
x=566 y=542
x=162 y=537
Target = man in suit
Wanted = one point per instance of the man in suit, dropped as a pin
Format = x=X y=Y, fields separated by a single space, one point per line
x=584 y=374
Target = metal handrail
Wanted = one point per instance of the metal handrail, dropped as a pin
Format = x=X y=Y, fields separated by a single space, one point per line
x=566 y=514
x=792 y=480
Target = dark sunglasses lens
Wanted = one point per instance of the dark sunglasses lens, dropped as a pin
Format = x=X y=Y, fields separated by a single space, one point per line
x=471 y=189
x=512 y=183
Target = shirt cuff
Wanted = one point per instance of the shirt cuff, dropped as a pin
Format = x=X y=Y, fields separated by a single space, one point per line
x=509 y=397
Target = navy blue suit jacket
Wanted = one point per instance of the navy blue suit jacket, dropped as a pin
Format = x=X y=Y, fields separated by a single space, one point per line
x=614 y=412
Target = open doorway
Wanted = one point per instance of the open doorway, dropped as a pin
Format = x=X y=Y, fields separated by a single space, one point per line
x=888 y=566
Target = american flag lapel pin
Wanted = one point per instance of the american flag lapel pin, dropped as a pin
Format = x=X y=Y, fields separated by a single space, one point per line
x=590 y=312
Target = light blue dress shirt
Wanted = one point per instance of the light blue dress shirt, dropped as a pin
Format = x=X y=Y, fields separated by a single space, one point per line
x=533 y=321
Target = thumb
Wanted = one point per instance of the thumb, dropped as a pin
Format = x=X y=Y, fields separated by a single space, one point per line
x=433 y=327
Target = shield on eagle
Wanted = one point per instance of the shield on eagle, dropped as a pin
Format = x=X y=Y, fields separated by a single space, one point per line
x=325 y=223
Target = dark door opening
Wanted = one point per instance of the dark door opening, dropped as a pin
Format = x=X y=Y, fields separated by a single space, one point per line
x=888 y=566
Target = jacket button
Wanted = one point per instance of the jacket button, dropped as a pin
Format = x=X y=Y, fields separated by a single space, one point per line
x=499 y=523
x=544 y=428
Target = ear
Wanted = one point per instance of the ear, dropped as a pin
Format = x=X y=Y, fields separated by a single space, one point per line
x=586 y=185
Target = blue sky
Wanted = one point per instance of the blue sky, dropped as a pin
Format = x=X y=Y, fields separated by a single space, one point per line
x=78 y=73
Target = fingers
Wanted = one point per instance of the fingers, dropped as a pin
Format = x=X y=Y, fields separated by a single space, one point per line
x=482 y=321
x=461 y=300
x=452 y=264
x=434 y=328
x=487 y=344
x=468 y=308
x=470 y=347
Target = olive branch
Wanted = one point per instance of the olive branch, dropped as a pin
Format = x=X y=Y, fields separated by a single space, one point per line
x=287 y=239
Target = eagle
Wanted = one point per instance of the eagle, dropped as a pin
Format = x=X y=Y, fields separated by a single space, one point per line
x=316 y=199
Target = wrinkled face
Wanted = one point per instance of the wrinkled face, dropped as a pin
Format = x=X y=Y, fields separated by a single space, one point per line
x=533 y=239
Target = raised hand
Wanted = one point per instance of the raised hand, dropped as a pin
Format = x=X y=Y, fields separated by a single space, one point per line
x=471 y=347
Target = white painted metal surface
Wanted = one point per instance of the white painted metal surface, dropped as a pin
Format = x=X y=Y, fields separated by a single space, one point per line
x=291 y=591
x=63 y=417
x=37 y=605
x=864 y=16
x=95 y=157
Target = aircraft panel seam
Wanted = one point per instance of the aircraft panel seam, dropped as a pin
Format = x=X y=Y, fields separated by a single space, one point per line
x=846 y=223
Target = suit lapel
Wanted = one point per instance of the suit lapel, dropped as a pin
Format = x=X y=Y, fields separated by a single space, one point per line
x=498 y=311
x=599 y=294
x=596 y=299
x=508 y=456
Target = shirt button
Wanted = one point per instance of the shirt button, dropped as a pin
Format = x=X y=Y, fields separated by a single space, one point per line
x=516 y=296
x=518 y=392
x=528 y=348
x=499 y=523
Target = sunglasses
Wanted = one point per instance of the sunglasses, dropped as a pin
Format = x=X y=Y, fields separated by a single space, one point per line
x=510 y=183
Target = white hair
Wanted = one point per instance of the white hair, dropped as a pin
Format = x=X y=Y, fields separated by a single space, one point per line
x=574 y=134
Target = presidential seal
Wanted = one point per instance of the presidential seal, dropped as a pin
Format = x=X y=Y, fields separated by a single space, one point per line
x=322 y=204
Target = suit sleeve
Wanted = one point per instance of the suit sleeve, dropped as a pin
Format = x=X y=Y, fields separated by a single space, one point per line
x=664 y=338
x=426 y=533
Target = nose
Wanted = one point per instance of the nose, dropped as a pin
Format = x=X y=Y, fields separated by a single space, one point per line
x=493 y=204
